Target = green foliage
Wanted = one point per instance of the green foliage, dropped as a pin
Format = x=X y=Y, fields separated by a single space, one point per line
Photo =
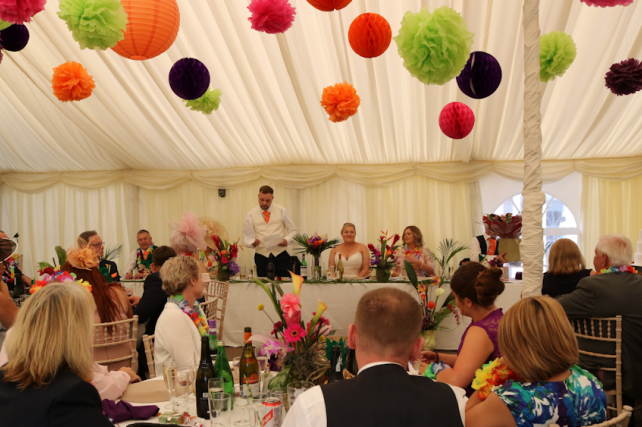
x=412 y=274
x=62 y=255
x=447 y=248
x=302 y=240
x=281 y=380
x=112 y=252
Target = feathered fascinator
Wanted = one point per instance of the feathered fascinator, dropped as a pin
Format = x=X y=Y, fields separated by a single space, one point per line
x=190 y=227
x=83 y=256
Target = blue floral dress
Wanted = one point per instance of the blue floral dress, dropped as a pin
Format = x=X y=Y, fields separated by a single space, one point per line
x=577 y=401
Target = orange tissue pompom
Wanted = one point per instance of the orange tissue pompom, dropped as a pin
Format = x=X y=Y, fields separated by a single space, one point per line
x=340 y=101
x=72 y=82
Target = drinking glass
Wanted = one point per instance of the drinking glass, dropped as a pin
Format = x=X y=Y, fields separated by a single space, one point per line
x=215 y=385
x=263 y=367
x=296 y=389
x=169 y=376
x=333 y=273
x=184 y=378
x=242 y=272
x=282 y=395
x=242 y=416
x=219 y=402
x=256 y=407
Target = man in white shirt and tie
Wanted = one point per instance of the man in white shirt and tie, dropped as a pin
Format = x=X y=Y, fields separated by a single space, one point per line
x=264 y=221
x=487 y=245
x=385 y=336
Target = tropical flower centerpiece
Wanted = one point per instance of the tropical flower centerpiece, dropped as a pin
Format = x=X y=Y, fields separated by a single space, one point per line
x=429 y=291
x=314 y=246
x=383 y=257
x=508 y=228
x=298 y=347
x=225 y=255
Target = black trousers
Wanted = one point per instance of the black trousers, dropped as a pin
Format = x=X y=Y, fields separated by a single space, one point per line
x=282 y=264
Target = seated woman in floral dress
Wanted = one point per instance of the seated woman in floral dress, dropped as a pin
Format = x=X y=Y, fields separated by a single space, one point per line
x=539 y=348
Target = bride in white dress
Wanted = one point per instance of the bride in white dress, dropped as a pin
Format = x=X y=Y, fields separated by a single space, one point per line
x=354 y=256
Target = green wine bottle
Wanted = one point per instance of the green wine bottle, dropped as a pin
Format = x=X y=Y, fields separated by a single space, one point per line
x=222 y=368
x=248 y=369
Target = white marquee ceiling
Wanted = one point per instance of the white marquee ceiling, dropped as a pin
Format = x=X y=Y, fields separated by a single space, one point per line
x=270 y=112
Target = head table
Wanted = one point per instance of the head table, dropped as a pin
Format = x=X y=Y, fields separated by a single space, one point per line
x=341 y=299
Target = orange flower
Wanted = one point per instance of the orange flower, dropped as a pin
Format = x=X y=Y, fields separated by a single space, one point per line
x=223 y=252
x=72 y=82
x=340 y=101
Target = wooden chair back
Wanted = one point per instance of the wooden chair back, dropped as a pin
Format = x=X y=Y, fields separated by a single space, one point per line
x=148 y=343
x=605 y=329
x=210 y=308
x=217 y=289
x=115 y=334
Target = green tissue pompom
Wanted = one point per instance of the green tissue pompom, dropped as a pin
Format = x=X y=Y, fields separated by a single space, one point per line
x=95 y=24
x=4 y=25
x=435 y=47
x=557 y=52
x=206 y=103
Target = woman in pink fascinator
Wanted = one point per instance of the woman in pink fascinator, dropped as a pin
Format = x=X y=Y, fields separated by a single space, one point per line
x=188 y=237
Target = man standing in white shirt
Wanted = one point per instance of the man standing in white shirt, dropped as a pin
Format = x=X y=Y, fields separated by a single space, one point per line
x=384 y=336
x=487 y=245
x=267 y=220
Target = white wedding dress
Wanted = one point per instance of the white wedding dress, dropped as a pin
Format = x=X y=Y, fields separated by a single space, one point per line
x=351 y=266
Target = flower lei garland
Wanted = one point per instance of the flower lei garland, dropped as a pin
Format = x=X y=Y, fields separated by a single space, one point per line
x=433 y=369
x=618 y=270
x=195 y=313
x=143 y=261
x=9 y=275
x=491 y=375
x=58 y=276
x=417 y=251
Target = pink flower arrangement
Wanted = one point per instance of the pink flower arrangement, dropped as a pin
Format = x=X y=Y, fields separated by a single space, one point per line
x=294 y=334
x=271 y=16
x=290 y=304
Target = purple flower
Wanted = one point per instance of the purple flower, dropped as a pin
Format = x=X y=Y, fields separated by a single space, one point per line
x=233 y=267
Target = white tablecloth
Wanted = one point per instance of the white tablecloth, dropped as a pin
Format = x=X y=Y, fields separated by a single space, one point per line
x=341 y=299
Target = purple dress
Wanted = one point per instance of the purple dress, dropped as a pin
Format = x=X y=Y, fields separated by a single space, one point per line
x=490 y=324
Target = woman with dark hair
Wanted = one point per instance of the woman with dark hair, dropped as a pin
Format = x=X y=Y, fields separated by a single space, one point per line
x=475 y=288
x=111 y=301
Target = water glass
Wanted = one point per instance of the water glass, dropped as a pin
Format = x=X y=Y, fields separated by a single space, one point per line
x=333 y=273
x=296 y=389
x=219 y=402
x=242 y=271
x=215 y=385
x=242 y=416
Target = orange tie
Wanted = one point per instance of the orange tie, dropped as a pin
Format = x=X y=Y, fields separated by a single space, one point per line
x=266 y=214
x=492 y=246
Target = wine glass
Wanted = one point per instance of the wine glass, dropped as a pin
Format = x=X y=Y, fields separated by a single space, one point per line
x=218 y=402
x=242 y=417
x=169 y=376
x=263 y=367
x=184 y=378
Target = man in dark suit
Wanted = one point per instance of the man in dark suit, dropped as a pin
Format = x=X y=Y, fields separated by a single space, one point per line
x=149 y=307
x=613 y=292
x=96 y=243
x=384 y=336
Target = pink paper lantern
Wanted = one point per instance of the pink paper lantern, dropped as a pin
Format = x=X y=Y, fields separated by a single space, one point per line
x=607 y=3
x=456 y=120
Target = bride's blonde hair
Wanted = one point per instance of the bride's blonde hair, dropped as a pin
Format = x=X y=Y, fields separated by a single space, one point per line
x=347 y=225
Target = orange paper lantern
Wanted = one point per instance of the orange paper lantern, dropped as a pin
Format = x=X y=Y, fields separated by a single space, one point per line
x=151 y=30
x=370 y=35
x=329 y=5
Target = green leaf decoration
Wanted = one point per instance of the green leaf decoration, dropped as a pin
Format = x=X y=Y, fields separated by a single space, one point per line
x=112 y=252
x=281 y=380
x=557 y=51
x=95 y=24
x=435 y=47
x=62 y=255
x=4 y=25
x=412 y=274
x=207 y=103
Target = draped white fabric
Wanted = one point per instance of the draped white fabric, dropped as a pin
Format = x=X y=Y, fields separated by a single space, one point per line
x=58 y=214
x=270 y=115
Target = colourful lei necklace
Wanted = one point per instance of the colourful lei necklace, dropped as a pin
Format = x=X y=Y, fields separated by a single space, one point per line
x=622 y=269
x=195 y=313
x=417 y=251
x=9 y=275
x=143 y=261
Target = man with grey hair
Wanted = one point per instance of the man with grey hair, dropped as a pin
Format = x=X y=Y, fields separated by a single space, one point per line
x=614 y=290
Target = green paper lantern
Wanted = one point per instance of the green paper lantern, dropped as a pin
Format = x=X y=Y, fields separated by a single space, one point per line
x=95 y=24
x=207 y=103
x=557 y=51
x=435 y=47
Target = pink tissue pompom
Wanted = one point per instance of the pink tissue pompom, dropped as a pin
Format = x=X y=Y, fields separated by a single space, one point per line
x=271 y=16
x=1 y=50
x=20 y=11
x=607 y=3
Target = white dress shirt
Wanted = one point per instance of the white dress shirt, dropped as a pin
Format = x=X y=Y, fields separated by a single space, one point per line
x=248 y=227
x=475 y=249
x=309 y=408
